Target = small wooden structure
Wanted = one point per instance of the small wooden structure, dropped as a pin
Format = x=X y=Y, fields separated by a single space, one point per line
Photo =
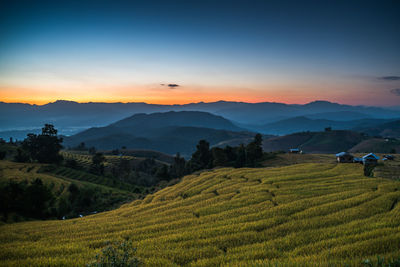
x=370 y=158
x=294 y=150
x=344 y=157
x=388 y=157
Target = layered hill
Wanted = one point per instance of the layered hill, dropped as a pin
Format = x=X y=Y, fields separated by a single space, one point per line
x=389 y=129
x=315 y=142
x=298 y=124
x=380 y=145
x=304 y=214
x=70 y=117
x=169 y=132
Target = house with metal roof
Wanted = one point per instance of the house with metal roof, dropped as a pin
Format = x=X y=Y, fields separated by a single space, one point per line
x=370 y=158
x=344 y=157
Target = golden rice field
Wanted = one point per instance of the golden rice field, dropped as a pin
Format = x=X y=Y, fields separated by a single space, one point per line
x=300 y=215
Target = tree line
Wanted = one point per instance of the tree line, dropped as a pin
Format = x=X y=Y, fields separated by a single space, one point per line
x=45 y=148
x=250 y=155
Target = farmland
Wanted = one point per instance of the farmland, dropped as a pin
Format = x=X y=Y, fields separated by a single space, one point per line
x=59 y=181
x=319 y=213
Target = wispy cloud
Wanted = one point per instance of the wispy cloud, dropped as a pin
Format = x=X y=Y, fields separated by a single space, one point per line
x=395 y=91
x=389 y=78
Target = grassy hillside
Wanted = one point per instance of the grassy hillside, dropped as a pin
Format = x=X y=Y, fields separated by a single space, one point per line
x=142 y=171
x=315 y=142
x=377 y=145
x=286 y=159
x=166 y=158
x=389 y=129
x=390 y=169
x=296 y=215
x=97 y=195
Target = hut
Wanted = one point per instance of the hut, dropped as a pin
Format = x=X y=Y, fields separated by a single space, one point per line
x=388 y=157
x=344 y=157
x=370 y=158
x=294 y=150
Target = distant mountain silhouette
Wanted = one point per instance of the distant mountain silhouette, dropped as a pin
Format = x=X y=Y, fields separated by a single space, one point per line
x=339 y=116
x=71 y=117
x=172 y=118
x=299 y=124
x=169 y=132
x=389 y=129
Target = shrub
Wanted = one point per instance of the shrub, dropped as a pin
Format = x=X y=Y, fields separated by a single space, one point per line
x=382 y=263
x=368 y=170
x=117 y=254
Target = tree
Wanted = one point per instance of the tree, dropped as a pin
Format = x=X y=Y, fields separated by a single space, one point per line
x=97 y=163
x=21 y=156
x=201 y=158
x=124 y=169
x=38 y=198
x=254 y=152
x=241 y=156
x=92 y=150
x=44 y=147
x=162 y=172
x=178 y=167
x=219 y=157
x=81 y=147
x=98 y=158
x=230 y=155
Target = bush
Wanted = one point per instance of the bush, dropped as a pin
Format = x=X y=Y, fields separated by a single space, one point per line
x=368 y=170
x=382 y=263
x=117 y=254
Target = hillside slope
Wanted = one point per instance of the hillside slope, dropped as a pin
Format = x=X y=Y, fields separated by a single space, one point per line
x=300 y=214
x=389 y=129
x=168 y=132
x=378 y=145
x=98 y=193
x=315 y=142
x=303 y=123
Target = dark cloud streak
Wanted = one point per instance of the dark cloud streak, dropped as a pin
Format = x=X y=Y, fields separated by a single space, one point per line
x=170 y=85
x=389 y=78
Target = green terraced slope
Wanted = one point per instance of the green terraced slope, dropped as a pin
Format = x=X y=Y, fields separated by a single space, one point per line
x=304 y=214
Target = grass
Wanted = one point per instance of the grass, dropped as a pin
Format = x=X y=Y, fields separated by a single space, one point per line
x=286 y=159
x=108 y=196
x=300 y=215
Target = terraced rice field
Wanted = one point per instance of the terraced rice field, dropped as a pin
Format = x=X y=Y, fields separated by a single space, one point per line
x=79 y=175
x=59 y=178
x=85 y=160
x=304 y=214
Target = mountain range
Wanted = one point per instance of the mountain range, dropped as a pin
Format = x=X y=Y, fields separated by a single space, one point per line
x=168 y=132
x=71 y=117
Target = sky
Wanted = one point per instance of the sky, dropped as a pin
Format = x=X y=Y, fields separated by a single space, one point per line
x=176 y=52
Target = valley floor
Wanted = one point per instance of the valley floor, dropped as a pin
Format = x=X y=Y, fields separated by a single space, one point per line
x=303 y=214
